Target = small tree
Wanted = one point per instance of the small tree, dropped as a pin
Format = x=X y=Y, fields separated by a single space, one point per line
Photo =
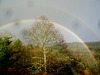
x=44 y=34
x=5 y=52
x=18 y=43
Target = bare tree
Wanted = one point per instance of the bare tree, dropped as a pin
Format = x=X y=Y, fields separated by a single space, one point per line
x=44 y=34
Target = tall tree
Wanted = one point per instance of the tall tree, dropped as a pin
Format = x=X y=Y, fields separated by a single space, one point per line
x=44 y=34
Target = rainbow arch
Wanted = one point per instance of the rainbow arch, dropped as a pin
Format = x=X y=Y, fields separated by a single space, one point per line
x=30 y=20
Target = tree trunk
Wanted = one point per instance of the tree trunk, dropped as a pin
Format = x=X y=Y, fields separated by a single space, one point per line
x=45 y=66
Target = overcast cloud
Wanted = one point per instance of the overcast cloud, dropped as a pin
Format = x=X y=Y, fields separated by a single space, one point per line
x=80 y=16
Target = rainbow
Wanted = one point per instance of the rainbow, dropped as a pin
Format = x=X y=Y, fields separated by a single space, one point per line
x=30 y=20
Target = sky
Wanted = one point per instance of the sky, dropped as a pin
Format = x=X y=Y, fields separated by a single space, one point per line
x=82 y=17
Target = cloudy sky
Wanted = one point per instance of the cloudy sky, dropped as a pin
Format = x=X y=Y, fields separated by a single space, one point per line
x=80 y=16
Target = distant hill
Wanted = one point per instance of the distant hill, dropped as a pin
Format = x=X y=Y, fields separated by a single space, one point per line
x=93 y=43
x=79 y=44
x=76 y=46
